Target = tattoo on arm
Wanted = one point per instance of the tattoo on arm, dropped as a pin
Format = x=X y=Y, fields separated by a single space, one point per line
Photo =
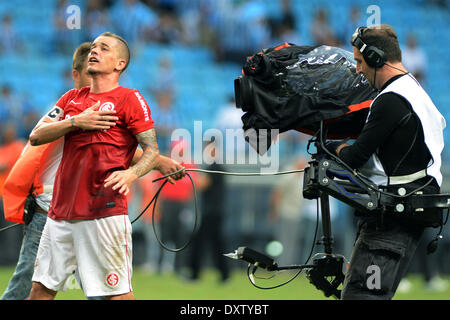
x=148 y=160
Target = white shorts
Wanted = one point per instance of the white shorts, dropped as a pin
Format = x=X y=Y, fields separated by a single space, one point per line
x=101 y=249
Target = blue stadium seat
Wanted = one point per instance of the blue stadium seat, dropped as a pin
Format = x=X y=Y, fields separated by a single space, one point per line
x=202 y=85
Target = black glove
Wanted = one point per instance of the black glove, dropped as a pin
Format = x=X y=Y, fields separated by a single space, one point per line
x=332 y=145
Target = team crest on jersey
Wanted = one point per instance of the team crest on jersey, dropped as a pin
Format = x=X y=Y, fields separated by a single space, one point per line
x=107 y=106
x=112 y=279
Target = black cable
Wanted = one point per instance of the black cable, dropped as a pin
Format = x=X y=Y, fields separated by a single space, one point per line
x=195 y=218
x=155 y=197
x=443 y=224
x=390 y=66
x=145 y=209
x=433 y=244
x=374 y=79
x=322 y=145
x=301 y=267
x=244 y=174
x=9 y=227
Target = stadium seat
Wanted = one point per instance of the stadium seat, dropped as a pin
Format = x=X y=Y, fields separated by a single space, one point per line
x=201 y=84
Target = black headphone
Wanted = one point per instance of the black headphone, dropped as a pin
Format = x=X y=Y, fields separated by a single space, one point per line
x=373 y=56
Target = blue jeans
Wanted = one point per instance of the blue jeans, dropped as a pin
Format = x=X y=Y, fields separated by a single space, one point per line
x=20 y=284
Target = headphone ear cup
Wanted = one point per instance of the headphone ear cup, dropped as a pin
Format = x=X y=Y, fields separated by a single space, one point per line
x=374 y=57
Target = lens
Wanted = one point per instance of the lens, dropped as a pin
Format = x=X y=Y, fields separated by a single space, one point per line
x=243 y=94
x=237 y=92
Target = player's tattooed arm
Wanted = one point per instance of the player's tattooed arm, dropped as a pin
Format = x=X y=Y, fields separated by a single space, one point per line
x=151 y=159
x=150 y=156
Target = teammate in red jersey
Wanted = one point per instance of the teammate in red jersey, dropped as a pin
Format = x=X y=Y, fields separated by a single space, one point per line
x=87 y=225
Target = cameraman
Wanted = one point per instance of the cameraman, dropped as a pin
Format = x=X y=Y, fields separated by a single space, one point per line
x=398 y=149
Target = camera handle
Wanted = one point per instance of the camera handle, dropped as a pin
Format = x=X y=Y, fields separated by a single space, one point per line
x=330 y=265
x=327 y=238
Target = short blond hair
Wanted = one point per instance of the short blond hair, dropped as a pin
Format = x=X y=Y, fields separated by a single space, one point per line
x=125 y=53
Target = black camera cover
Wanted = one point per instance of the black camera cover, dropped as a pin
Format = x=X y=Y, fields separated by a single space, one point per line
x=292 y=87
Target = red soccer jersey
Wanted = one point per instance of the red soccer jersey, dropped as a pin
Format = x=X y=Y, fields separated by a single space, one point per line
x=90 y=156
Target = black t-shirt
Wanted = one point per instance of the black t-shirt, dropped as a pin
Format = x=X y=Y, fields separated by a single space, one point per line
x=394 y=132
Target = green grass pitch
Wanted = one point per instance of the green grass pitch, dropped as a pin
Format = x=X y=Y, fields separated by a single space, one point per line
x=153 y=286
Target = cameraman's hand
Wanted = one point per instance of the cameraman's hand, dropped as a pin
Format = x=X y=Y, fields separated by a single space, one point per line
x=90 y=119
x=335 y=147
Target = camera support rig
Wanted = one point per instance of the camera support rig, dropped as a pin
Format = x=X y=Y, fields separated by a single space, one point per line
x=326 y=274
x=326 y=177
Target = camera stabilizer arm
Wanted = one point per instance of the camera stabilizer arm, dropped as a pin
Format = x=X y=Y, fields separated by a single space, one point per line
x=328 y=176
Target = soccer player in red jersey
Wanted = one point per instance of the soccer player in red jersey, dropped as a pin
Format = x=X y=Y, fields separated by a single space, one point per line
x=88 y=225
